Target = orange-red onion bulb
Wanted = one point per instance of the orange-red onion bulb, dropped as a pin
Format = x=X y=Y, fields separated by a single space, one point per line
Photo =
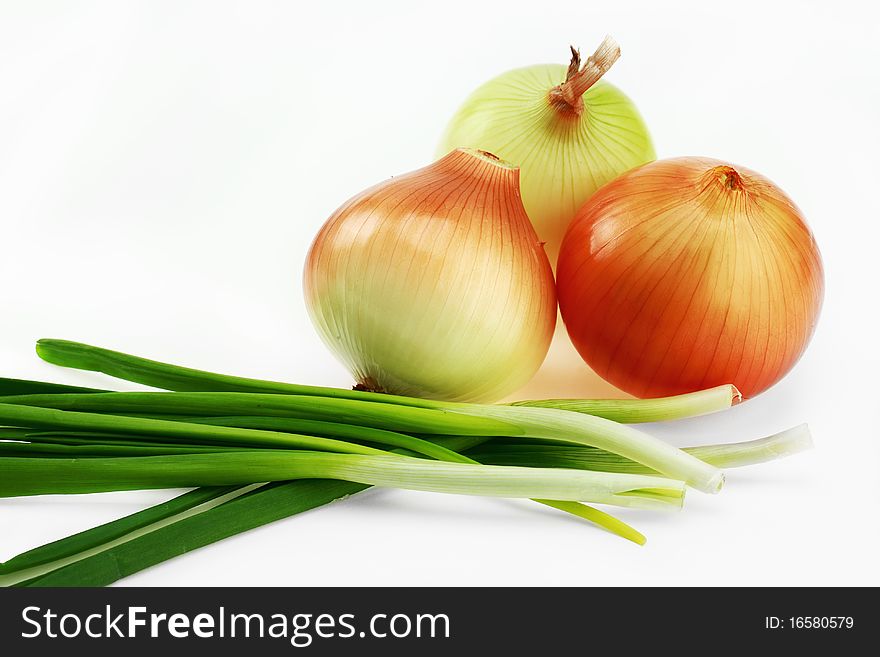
x=689 y=273
x=434 y=284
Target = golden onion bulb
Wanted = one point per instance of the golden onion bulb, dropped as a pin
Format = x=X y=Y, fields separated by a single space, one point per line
x=434 y=284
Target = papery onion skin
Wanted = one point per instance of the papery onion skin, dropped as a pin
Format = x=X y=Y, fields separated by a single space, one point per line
x=689 y=273
x=434 y=283
x=566 y=153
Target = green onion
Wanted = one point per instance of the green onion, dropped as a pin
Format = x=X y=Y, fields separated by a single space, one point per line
x=228 y=436
x=88 y=449
x=39 y=417
x=530 y=422
x=62 y=446
x=26 y=387
x=552 y=424
x=591 y=514
x=134 y=552
x=74 y=438
x=390 y=417
x=735 y=455
x=43 y=476
x=495 y=452
x=96 y=563
x=103 y=534
x=13 y=433
x=87 y=561
x=730 y=455
x=183 y=379
x=632 y=411
x=453 y=418
x=332 y=429
x=279 y=408
x=277 y=501
x=583 y=511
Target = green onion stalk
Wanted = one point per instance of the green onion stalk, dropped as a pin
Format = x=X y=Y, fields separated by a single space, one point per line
x=56 y=443
x=104 y=554
x=539 y=423
x=725 y=455
x=224 y=435
x=43 y=476
x=66 y=410
x=184 y=379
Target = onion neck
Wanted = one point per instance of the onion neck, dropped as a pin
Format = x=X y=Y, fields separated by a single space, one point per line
x=726 y=176
x=568 y=96
x=730 y=178
x=481 y=165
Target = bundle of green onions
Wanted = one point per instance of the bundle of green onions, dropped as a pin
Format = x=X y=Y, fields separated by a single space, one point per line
x=229 y=435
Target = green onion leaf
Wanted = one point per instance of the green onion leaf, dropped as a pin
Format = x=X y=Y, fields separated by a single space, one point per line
x=453 y=418
x=50 y=418
x=253 y=509
x=183 y=379
x=103 y=534
x=25 y=387
x=45 y=476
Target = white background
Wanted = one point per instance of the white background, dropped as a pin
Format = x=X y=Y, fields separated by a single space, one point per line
x=164 y=165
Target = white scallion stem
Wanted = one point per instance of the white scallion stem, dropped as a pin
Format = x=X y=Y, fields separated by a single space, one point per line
x=734 y=455
x=582 y=429
x=631 y=411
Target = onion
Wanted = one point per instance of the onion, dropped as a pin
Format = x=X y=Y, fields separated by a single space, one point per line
x=434 y=284
x=689 y=273
x=569 y=131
